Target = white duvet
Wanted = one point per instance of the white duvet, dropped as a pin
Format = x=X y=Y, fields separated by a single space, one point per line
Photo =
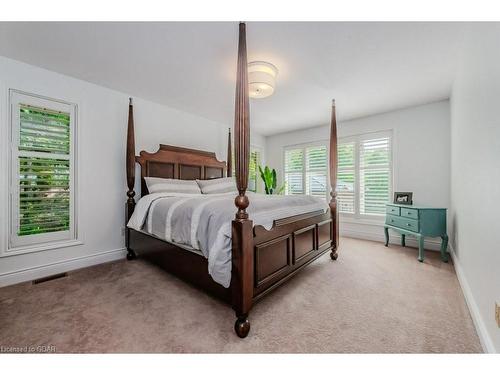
x=203 y=222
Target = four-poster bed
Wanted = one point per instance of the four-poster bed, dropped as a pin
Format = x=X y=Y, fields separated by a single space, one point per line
x=260 y=259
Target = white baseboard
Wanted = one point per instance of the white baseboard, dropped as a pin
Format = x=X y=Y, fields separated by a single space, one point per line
x=481 y=330
x=394 y=238
x=33 y=273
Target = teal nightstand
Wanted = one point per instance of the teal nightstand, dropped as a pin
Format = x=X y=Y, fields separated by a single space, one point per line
x=417 y=221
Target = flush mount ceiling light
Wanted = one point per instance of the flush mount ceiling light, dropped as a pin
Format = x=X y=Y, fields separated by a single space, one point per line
x=261 y=79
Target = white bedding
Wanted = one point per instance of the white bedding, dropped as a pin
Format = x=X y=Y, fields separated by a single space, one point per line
x=203 y=222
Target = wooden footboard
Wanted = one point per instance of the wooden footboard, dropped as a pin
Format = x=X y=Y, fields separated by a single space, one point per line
x=262 y=259
x=288 y=246
x=275 y=256
x=270 y=257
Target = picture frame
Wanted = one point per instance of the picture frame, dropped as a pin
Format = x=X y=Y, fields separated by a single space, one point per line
x=403 y=197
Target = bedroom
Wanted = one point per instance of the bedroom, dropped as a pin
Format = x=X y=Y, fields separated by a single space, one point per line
x=371 y=109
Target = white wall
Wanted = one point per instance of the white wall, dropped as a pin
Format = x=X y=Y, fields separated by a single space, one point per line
x=421 y=143
x=102 y=121
x=475 y=177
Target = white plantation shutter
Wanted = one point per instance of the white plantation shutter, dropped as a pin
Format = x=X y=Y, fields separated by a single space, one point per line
x=42 y=172
x=346 y=177
x=306 y=170
x=364 y=179
x=294 y=169
x=253 y=170
x=316 y=171
x=374 y=175
x=43 y=195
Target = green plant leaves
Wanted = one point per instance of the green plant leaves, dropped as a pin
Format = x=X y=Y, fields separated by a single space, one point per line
x=270 y=179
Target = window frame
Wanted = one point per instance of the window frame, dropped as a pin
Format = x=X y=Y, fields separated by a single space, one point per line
x=43 y=241
x=357 y=139
x=304 y=147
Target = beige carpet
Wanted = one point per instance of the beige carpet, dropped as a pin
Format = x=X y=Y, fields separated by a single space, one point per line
x=373 y=299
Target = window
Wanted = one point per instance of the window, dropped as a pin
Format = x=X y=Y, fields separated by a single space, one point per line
x=253 y=168
x=364 y=180
x=294 y=171
x=306 y=170
x=254 y=175
x=374 y=175
x=42 y=171
x=346 y=177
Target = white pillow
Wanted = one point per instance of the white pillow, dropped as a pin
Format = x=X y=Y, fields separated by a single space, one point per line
x=171 y=185
x=218 y=185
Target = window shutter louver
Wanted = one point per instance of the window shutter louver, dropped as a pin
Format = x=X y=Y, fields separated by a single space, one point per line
x=44 y=171
x=375 y=175
x=346 y=177
x=306 y=171
x=316 y=171
x=294 y=165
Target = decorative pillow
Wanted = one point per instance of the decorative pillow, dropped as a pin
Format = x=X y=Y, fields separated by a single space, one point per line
x=218 y=185
x=170 y=185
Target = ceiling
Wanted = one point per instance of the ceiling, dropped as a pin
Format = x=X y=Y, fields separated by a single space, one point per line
x=367 y=67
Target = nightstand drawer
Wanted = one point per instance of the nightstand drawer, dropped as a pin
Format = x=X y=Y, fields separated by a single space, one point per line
x=402 y=222
x=412 y=213
x=391 y=219
x=392 y=210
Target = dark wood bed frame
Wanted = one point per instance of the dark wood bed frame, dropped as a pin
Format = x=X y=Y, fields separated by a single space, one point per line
x=261 y=259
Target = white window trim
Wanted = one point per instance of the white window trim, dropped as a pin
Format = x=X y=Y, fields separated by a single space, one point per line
x=357 y=217
x=304 y=146
x=44 y=242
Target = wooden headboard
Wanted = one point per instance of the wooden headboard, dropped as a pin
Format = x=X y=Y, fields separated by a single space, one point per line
x=179 y=163
x=170 y=162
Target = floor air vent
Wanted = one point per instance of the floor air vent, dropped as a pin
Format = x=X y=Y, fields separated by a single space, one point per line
x=48 y=278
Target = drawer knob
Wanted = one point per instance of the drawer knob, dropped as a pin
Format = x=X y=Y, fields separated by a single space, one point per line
x=408 y=224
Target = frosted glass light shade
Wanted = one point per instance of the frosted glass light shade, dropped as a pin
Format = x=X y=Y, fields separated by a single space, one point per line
x=261 y=79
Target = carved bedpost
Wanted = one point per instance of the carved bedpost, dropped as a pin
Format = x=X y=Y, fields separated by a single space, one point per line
x=229 y=165
x=242 y=236
x=333 y=183
x=130 y=174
